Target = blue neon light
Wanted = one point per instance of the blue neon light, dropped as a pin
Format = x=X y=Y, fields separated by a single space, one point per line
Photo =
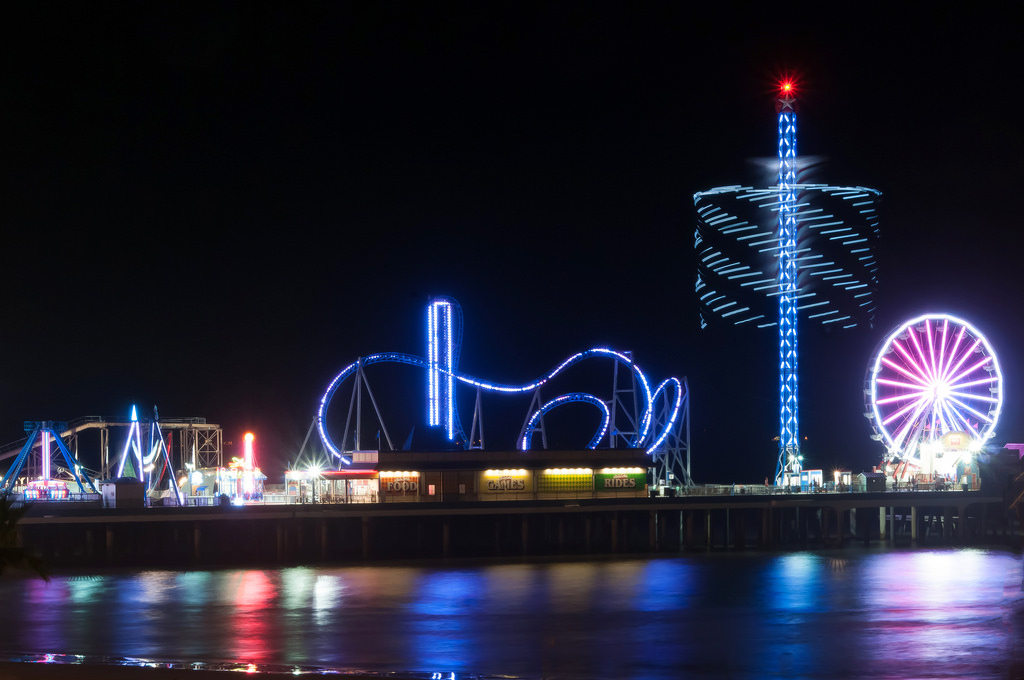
x=444 y=320
x=443 y=339
x=789 y=428
x=432 y=374
x=526 y=438
x=133 y=443
x=738 y=251
x=661 y=391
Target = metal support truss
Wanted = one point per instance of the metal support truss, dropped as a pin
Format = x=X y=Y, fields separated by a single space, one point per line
x=476 y=432
x=355 y=412
x=528 y=429
x=201 y=444
x=44 y=430
x=672 y=456
x=158 y=451
x=624 y=400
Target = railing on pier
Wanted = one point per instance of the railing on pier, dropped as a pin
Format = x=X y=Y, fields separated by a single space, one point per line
x=90 y=498
x=771 y=490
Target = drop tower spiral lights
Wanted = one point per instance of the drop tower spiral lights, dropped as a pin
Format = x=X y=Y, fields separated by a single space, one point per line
x=766 y=256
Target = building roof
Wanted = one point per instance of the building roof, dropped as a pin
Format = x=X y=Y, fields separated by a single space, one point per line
x=477 y=459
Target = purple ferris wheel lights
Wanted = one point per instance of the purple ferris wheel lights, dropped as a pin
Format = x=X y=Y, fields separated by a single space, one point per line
x=933 y=376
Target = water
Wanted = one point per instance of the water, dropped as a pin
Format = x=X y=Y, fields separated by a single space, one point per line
x=843 y=614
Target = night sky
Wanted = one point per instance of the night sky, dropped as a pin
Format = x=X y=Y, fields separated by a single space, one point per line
x=214 y=207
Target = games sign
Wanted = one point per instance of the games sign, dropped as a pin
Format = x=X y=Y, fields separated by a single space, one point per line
x=505 y=481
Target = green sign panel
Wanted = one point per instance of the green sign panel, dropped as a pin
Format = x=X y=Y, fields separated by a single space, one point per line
x=620 y=481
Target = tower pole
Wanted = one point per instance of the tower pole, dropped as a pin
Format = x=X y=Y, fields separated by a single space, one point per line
x=789 y=433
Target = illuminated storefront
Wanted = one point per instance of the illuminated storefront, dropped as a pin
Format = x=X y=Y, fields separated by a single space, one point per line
x=505 y=484
x=558 y=481
x=615 y=481
x=432 y=477
x=331 y=486
x=400 y=485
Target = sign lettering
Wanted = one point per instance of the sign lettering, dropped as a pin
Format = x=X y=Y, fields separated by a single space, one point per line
x=506 y=484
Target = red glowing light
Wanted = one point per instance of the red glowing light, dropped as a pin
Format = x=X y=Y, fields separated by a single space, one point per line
x=786 y=87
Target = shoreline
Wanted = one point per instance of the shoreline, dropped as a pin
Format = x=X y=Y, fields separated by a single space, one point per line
x=31 y=669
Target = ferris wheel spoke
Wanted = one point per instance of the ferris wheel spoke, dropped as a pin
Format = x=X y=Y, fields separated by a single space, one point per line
x=954 y=352
x=905 y=385
x=921 y=374
x=960 y=422
x=916 y=406
x=948 y=418
x=916 y=377
x=974 y=397
x=934 y=417
x=942 y=349
x=967 y=407
x=962 y=354
x=900 y=398
x=974 y=383
x=931 y=347
x=922 y=359
x=970 y=370
x=963 y=359
x=917 y=387
x=910 y=423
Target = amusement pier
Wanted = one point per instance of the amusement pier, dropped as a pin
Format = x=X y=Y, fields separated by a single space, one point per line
x=157 y=491
x=509 y=524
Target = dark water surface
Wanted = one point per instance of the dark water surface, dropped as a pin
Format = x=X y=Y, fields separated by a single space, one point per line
x=846 y=614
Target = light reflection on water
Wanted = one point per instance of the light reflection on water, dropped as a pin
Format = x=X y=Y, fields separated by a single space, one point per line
x=947 y=613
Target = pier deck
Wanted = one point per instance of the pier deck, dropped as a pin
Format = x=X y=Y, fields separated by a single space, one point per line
x=70 y=534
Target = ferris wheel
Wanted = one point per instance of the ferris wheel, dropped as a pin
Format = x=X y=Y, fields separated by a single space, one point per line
x=932 y=379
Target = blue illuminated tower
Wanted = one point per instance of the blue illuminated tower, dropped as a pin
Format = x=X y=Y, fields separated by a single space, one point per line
x=444 y=340
x=768 y=254
x=789 y=420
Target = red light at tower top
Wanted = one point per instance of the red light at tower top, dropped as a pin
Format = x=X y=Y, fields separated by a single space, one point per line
x=786 y=88
x=786 y=97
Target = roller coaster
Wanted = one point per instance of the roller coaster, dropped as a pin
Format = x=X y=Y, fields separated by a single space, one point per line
x=633 y=415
